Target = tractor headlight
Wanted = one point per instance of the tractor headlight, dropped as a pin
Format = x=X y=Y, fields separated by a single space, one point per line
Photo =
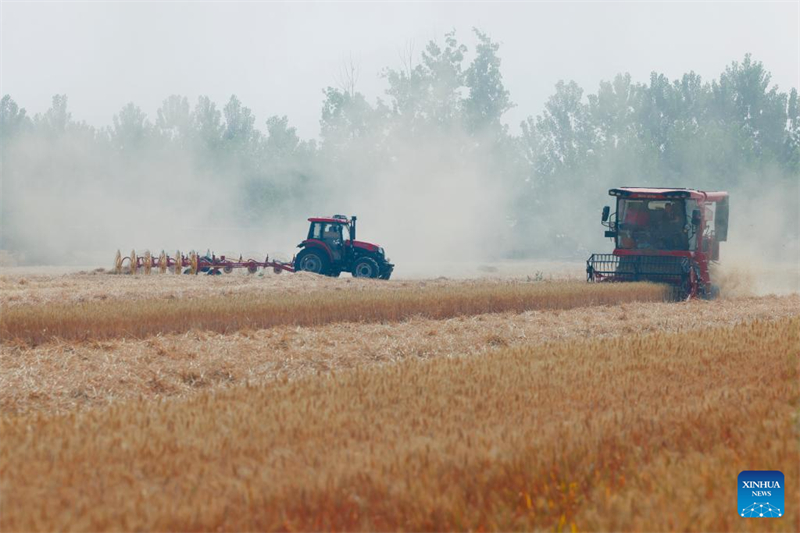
x=381 y=252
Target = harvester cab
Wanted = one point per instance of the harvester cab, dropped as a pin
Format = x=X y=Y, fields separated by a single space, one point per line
x=663 y=235
x=331 y=248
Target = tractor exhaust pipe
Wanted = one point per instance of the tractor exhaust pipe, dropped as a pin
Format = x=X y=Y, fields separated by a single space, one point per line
x=353 y=227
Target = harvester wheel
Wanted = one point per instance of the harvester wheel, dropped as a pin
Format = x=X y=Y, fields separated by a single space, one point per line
x=227 y=269
x=311 y=261
x=252 y=268
x=366 y=267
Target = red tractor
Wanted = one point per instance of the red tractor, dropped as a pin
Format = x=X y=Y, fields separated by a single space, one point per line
x=331 y=248
x=663 y=235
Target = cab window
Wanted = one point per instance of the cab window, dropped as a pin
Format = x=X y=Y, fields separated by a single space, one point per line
x=331 y=232
x=316 y=231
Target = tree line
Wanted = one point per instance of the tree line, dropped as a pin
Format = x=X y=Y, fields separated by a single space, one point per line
x=444 y=107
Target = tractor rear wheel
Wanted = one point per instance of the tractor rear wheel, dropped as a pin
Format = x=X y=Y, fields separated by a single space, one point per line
x=366 y=267
x=311 y=261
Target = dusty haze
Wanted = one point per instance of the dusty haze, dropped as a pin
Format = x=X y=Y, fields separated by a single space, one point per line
x=431 y=196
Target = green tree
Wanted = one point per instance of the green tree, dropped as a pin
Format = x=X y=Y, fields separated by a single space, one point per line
x=208 y=126
x=56 y=119
x=753 y=113
x=488 y=98
x=429 y=93
x=13 y=119
x=239 y=122
x=130 y=128
x=564 y=130
x=174 y=119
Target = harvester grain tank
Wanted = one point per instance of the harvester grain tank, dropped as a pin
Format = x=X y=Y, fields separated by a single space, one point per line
x=663 y=235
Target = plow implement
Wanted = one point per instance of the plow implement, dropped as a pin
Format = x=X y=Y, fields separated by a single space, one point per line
x=329 y=249
x=194 y=263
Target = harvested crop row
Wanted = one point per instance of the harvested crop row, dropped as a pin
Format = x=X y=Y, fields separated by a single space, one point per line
x=142 y=318
x=587 y=435
x=64 y=376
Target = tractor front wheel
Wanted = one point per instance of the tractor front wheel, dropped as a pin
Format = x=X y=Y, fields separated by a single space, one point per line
x=366 y=267
x=311 y=261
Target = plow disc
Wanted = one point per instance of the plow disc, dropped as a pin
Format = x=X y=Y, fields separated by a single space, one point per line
x=194 y=263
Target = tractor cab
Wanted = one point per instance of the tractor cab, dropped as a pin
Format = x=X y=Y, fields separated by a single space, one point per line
x=331 y=248
x=663 y=235
x=334 y=233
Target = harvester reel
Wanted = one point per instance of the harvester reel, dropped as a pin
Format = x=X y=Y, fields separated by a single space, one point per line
x=148 y=262
x=178 y=262
x=133 y=262
x=162 y=262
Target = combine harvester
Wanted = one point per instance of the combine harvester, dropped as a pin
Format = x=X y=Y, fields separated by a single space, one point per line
x=665 y=236
x=329 y=249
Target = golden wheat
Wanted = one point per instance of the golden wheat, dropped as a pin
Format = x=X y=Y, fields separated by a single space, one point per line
x=35 y=324
x=64 y=376
x=640 y=433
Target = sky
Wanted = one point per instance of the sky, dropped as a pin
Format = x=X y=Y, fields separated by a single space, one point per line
x=278 y=57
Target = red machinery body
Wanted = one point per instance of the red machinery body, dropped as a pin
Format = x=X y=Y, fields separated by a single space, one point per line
x=663 y=235
x=331 y=248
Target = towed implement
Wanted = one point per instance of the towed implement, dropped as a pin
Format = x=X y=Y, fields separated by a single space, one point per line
x=669 y=236
x=330 y=248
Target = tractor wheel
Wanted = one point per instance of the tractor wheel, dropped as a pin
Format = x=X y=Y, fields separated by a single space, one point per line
x=366 y=267
x=311 y=261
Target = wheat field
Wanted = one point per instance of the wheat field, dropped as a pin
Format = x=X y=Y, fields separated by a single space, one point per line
x=206 y=404
x=139 y=318
x=62 y=376
x=644 y=432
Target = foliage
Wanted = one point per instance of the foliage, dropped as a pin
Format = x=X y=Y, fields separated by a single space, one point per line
x=445 y=112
